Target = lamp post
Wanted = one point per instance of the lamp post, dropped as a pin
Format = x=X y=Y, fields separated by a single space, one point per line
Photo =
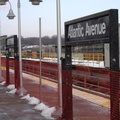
x=40 y=54
x=21 y=89
x=19 y=37
x=10 y=15
x=59 y=52
x=1 y=77
x=37 y=2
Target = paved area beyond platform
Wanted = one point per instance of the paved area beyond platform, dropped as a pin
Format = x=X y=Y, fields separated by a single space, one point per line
x=14 y=108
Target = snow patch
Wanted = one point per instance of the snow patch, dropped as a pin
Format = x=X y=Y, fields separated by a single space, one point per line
x=45 y=110
x=13 y=91
x=27 y=97
x=41 y=107
x=33 y=100
x=2 y=83
x=11 y=86
x=48 y=112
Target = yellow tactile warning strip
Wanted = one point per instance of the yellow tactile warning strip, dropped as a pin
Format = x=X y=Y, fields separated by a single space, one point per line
x=92 y=98
x=37 y=79
x=87 y=96
x=4 y=68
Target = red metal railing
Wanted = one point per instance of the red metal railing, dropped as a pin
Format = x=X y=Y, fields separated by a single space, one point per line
x=89 y=78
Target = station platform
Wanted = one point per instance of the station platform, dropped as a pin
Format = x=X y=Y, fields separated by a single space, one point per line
x=14 y=108
x=85 y=106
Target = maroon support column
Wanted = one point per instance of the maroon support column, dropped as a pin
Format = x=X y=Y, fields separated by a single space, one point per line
x=7 y=72
x=67 y=103
x=17 y=75
x=67 y=95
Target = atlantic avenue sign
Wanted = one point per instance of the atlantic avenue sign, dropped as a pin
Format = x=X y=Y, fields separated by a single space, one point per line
x=96 y=27
x=89 y=29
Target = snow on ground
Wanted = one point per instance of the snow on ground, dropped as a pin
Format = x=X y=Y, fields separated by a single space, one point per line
x=27 y=97
x=31 y=59
x=98 y=64
x=41 y=107
x=45 y=110
x=33 y=101
x=12 y=86
x=13 y=91
x=48 y=112
x=90 y=63
x=2 y=83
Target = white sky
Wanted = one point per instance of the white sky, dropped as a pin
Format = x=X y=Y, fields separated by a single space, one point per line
x=70 y=9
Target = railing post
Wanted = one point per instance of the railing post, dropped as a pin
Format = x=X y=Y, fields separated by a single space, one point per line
x=7 y=71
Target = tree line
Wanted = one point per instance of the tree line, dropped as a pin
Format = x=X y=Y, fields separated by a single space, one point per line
x=45 y=40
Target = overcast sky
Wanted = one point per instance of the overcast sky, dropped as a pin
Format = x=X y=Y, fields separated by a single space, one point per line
x=70 y=9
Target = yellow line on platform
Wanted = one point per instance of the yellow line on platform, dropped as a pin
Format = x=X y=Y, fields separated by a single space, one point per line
x=44 y=81
x=92 y=98
x=4 y=68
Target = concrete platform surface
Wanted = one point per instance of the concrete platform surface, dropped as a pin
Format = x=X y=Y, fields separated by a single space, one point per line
x=14 y=108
